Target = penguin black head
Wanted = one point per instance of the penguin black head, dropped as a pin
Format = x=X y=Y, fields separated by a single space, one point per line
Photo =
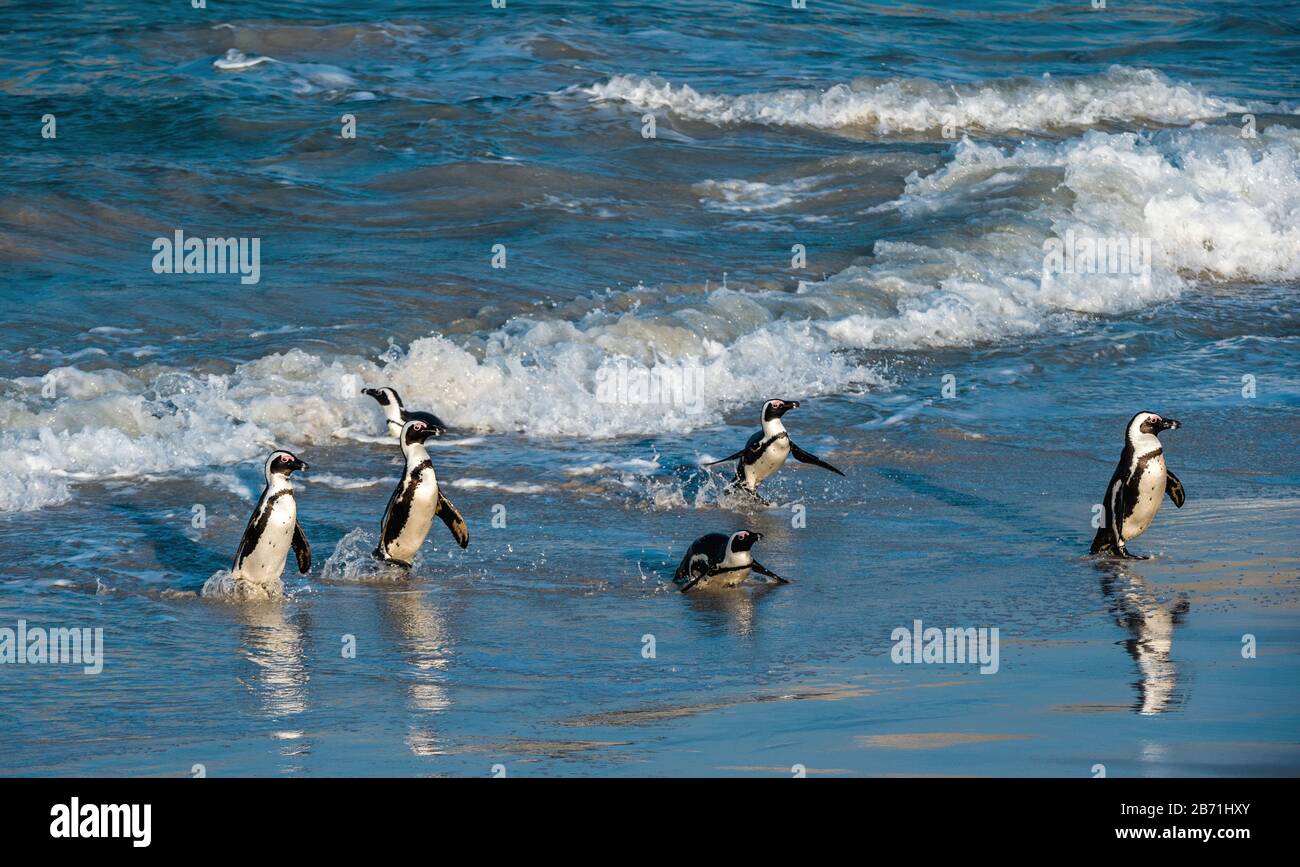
x=282 y=463
x=385 y=396
x=417 y=431
x=744 y=540
x=1150 y=424
x=777 y=407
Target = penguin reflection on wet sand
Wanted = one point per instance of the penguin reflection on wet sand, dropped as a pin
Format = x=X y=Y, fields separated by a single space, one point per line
x=415 y=502
x=396 y=414
x=272 y=530
x=1151 y=622
x=767 y=449
x=1138 y=486
x=719 y=560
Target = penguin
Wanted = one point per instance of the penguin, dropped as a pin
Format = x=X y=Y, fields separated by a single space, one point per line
x=415 y=501
x=724 y=558
x=272 y=530
x=1138 y=486
x=767 y=449
x=397 y=415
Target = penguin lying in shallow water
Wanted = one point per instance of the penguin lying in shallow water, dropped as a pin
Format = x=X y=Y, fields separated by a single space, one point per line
x=1138 y=486
x=396 y=415
x=767 y=449
x=415 y=502
x=272 y=530
x=718 y=560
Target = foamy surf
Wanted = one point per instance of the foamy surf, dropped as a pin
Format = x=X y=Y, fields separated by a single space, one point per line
x=1216 y=206
x=235 y=60
x=893 y=105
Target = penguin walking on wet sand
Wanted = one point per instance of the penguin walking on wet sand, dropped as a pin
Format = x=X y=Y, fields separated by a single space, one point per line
x=1138 y=486
x=719 y=560
x=396 y=414
x=272 y=530
x=415 y=502
x=767 y=449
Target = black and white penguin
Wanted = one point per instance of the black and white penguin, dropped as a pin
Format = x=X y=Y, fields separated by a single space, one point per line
x=719 y=560
x=396 y=415
x=1138 y=486
x=414 y=503
x=272 y=530
x=767 y=449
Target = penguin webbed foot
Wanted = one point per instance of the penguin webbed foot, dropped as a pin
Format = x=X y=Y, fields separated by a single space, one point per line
x=1123 y=553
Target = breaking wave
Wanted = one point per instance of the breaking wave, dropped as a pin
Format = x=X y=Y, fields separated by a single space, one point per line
x=894 y=105
x=1214 y=205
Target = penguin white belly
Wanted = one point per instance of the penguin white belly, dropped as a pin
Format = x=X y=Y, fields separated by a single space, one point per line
x=419 y=519
x=265 y=563
x=771 y=460
x=738 y=570
x=1151 y=492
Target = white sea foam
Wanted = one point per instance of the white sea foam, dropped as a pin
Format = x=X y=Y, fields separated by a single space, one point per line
x=741 y=196
x=342 y=483
x=493 y=484
x=1215 y=205
x=890 y=105
x=304 y=78
x=636 y=466
x=235 y=60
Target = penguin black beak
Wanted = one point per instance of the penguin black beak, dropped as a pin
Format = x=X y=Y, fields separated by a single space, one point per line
x=371 y=392
x=757 y=536
x=1170 y=424
x=299 y=465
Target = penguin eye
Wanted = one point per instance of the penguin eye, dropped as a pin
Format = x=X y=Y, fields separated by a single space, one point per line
x=284 y=459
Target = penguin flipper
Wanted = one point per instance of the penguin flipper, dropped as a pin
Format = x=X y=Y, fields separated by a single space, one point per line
x=763 y=570
x=453 y=520
x=1174 y=489
x=810 y=458
x=728 y=457
x=754 y=447
x=246 y=540
x=1116 y=517
x=301 y=549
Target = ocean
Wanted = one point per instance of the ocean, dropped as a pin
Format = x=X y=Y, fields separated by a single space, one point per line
x=971 y=239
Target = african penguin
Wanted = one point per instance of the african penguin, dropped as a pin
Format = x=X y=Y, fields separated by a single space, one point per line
x=396 y=415
x=718 y=560
x=272 y=530
x=1138 y=486
x=767 y=449
x=415 y=501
